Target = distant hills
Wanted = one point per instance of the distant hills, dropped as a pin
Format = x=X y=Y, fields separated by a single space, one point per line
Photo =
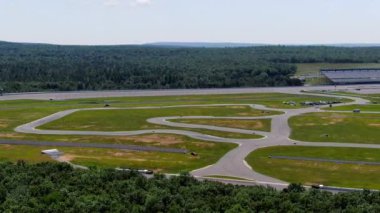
x=355 y=45
x=235 y=45
x=204 y=44
x=213 y=44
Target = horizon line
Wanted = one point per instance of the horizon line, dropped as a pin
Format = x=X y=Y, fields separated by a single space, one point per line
x=179 y=43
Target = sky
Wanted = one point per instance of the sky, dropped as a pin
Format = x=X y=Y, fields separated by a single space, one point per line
x=143 y=21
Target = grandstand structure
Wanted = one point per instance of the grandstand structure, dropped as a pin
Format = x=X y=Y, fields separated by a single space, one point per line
x=352 y=76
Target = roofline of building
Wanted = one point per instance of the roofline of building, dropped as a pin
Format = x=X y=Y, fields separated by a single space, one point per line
x=350 y=70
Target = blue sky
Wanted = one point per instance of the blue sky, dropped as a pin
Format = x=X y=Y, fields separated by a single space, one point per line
x=140 y=21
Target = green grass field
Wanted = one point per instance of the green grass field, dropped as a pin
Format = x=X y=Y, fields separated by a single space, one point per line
x=340 y=127
x=159 y=162
x=112 y=158
x=314 y=68
x=26 y=153
x=257 y=124
x=135 y=119
x=372 y=98
x=15 y=113
x=232 y=135
x=312 y=172
x=363 y=108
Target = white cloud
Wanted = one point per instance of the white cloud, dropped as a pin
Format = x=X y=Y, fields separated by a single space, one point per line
x=141 y=2
x=111 y=2
x=131 y=2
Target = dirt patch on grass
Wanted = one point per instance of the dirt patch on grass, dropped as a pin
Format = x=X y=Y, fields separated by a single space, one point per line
x=237 y=107
x=336 y=120
x=6 y=147
x=10 y=135
x=3 y=124
x=203 y=145
x=149 y=126
x=243 y=124
x=244 y=114
x=86 y=126
x=307 y=124
x=117 y=154
x=374 y=125
x=66 y=158
x=157 y=138
x=240 y=124
x=333 y=119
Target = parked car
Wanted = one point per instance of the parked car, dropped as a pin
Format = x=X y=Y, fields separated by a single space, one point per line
x=316 y=186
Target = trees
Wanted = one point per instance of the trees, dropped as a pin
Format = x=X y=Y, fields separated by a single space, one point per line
x=52 y=187
x=34 y=67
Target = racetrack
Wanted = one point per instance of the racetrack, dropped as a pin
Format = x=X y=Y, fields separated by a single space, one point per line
x=233 y=163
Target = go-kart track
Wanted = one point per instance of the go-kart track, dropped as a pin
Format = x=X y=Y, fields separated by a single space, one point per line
x=233 y=163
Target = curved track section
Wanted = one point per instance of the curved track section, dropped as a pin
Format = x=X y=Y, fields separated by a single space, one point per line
x=233 y=163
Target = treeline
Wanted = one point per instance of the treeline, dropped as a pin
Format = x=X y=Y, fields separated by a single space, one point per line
x=52 y=187
x=36 y=67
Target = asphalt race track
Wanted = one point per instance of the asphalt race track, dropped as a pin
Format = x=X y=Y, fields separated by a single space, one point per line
x=233 y=163
x=373 y=88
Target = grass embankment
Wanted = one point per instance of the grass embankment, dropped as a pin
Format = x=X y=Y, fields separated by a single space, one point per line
x=257 y=124
x=336 y=127
x=312 y=172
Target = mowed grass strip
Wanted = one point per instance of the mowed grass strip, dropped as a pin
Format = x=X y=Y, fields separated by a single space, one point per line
x=135 y=119
x=363 y=108
x=230 y=135
x=336 y=127
x=274 y=100
x=112 y=158
x=27 y=153
x=373 y=98
x=313 y=172
x=156 y=140
x=254 y=124
x=159 y=162
x=227 y=177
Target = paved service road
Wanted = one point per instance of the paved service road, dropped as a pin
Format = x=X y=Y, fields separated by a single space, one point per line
x=233 y=163
x=375 y=88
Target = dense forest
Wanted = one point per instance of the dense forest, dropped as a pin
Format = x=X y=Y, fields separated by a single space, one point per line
x=53 y=187
x=38 y=67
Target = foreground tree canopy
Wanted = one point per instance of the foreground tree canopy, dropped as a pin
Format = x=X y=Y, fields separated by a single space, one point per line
x=37 y=67
x=51 y=187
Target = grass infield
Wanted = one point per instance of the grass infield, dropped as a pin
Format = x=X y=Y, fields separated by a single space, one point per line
x=313 y=172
